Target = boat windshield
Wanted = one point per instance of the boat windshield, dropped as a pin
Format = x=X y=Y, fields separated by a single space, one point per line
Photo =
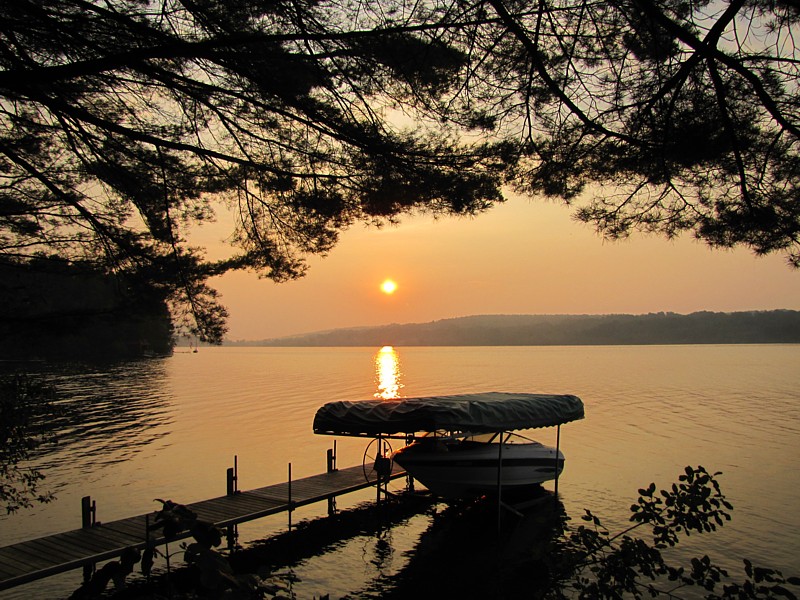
x=494 y=438
x=478 y=438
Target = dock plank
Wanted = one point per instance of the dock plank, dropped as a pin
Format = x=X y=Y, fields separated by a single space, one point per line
x=25 y=556
x=134 y=530
x=12 y=566
x=67 y=551
x=34 y=559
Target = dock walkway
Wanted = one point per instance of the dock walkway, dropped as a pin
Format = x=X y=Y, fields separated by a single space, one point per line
x=35 y=559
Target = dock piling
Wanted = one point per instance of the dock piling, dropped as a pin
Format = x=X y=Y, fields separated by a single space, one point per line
x=331 y=468
x=558 y=448
x=331 y=455
x=88 y=519
x=233 y=478
x=289 y=508
x=88 y=512
x=232 y=488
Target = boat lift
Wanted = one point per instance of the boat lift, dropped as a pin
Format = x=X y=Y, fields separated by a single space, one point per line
x=458 y=416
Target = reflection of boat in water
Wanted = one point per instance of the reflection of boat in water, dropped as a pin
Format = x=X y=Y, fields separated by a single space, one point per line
x=468 y=466
x=446 y=451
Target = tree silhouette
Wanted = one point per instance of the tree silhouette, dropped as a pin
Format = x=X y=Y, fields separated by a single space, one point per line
x=661 y=115
x=124 y=122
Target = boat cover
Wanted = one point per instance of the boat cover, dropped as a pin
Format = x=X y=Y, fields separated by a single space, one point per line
x=476 y=413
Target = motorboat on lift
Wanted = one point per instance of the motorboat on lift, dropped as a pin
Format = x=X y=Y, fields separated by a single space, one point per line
x=475 y=465
x=461 y=446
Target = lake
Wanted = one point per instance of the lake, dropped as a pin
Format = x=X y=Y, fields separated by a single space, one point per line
x=169 y=428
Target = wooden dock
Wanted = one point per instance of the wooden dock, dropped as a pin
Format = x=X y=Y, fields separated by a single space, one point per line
x=35 y=559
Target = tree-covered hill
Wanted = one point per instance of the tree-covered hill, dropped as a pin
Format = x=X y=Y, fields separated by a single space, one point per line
x=752 y=327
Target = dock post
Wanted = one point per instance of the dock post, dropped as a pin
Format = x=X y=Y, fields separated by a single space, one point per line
x=88 y=519
x=289 y=505
x=409 y=478
x=331 y=468
x=149 y=550
x=500 y=482
x=331 y=458
x=88 y=512
x=232 y=488
x=229 y=489
x=233 y=478
x=231 y=536
x=378 y=477
x=558 y=443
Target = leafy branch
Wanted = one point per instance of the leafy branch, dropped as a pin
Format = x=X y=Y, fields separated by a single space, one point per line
x=24 y=405
x=592 y=563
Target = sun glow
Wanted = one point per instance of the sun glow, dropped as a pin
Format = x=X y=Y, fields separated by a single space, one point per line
x=388 y=287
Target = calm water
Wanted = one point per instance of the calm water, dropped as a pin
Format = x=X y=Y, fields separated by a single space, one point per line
x=170 y=428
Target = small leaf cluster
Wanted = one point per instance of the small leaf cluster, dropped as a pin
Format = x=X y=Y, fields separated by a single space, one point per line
x=694 y=504
x=760 y=583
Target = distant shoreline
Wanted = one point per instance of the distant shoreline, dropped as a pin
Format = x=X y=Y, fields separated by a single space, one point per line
x=746 y=327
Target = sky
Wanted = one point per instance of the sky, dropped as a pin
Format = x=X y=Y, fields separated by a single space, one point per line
x=521 y=257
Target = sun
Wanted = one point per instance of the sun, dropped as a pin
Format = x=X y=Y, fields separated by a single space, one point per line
x=388 y=287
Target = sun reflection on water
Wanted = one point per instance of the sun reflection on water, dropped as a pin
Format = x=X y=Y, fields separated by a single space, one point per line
x=387 y=373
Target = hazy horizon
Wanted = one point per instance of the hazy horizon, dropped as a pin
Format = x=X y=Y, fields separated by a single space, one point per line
x=521 y=257
x=184 y=341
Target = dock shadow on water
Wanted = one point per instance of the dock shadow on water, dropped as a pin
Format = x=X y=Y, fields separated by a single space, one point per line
x=456 y=550
x=469 y=550
x=412 y=547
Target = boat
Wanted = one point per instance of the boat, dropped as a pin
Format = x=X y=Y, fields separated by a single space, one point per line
x=462 y=467
x=462 y=445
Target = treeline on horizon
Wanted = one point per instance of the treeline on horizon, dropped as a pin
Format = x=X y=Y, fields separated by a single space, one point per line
x=751 y=327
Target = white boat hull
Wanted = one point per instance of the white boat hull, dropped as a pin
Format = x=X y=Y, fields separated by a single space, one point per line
x=470 y=469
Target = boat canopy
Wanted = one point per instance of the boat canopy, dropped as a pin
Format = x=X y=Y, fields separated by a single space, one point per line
x=479 y=412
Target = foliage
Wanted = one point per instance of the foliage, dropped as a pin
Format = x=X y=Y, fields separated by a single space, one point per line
x=663 y=115
x=57 y=310
x=115 y=570
x=212 y=573
x=123 y=123
x=126 y=123
x=24 y=405
x=593 y=564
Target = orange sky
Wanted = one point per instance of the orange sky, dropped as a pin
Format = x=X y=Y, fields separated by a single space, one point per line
x=522 y=257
